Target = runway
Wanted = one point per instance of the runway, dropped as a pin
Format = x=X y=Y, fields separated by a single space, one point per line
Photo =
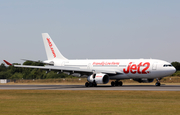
x=99 y=87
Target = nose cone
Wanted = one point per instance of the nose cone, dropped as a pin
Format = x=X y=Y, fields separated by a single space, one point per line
x=168 y=71
x=173 y=70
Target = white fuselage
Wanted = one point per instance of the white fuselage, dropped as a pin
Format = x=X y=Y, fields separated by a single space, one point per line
x=99 y=71
x=127 y=68
x=121 y=68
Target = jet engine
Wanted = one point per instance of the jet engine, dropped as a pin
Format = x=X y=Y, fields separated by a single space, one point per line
x=144 y=80
x=99 y=78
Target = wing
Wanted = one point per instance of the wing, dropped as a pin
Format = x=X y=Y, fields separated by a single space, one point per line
x=68 y=69
x=71 y=69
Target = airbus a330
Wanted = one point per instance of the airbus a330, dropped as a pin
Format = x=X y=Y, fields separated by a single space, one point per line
x=100 y=71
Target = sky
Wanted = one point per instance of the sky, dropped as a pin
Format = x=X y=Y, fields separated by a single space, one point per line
x=91 y=29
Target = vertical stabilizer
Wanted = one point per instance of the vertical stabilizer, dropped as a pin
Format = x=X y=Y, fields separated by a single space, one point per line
x=51 y=49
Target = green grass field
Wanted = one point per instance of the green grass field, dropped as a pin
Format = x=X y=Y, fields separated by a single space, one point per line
x=54 y=102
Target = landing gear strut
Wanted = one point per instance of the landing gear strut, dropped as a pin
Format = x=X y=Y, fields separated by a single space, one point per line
x=116 y=83
x=158 y=82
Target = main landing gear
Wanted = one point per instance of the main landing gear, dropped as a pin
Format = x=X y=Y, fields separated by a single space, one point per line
x=158 y=82
x=116 y=83
x=90 y=84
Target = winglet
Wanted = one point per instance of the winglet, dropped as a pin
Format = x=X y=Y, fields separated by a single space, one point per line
x=7 y=62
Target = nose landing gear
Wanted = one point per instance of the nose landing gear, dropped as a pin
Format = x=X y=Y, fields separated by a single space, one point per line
x=158 y=82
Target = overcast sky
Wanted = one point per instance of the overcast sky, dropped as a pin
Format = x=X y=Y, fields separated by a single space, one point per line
x=94 y=29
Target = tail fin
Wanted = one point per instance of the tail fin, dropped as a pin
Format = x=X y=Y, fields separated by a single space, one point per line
x=51 y=49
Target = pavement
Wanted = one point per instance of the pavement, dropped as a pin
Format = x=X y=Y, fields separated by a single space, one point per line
x=99 y=87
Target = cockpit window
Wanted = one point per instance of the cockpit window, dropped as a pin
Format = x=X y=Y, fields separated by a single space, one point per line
x=167 y=65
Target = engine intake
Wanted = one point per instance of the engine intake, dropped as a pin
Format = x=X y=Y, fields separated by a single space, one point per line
x=99 y=78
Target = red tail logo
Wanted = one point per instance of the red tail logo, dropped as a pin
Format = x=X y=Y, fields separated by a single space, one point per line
x=50 y=45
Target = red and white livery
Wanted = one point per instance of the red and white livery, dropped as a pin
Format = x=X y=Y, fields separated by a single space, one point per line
x=100 y=71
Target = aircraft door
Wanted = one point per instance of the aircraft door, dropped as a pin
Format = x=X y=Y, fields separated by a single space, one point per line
x=154 y=67
x=62 y=64
x=89 y=66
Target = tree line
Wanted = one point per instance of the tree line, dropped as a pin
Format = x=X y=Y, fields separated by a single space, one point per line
x=177 y=66
x=11 y=72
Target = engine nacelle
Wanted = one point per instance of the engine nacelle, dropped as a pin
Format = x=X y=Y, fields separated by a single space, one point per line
x=99 y=78
x=144 y=80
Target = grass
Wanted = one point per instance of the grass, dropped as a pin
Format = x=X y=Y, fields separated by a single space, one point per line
x=51 y=102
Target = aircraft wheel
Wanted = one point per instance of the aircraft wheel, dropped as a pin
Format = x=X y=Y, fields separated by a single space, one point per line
x=90 y=84
x=158 y=84
x=87 y=84
x=112 y=83
x=95 y=84
x=120 y=83
x=116 y=83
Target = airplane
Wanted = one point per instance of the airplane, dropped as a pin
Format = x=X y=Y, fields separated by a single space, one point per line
x=100 y=71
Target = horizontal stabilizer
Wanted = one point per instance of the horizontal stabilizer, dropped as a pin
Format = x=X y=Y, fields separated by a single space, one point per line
x=48 y=63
